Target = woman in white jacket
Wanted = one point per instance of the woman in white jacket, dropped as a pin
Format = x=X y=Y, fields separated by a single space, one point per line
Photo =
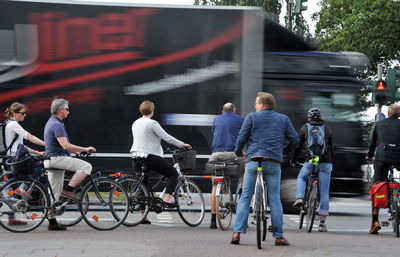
x=15 y=135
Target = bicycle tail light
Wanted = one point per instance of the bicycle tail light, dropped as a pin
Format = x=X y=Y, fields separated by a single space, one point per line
x=394 y=185
x=218 y=179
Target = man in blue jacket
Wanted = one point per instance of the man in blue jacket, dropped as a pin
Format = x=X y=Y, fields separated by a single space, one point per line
x=265 y=133
x=225 y=130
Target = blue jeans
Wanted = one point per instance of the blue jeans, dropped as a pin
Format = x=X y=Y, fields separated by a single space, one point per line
x=272 y=177
x=324 y=173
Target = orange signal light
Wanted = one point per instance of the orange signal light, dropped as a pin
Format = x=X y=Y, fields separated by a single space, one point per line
x=381 y=85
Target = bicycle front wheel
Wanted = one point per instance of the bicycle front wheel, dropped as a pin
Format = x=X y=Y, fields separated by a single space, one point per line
x=312 y=203
x=258 y=212
x=190 y=203
x=30 y=209
x=224 y=201
x=105 y=204
x=303 y=209
x=137 y=193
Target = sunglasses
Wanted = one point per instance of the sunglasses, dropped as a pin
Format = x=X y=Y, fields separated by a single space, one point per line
x=23 y=113
x=67 y=109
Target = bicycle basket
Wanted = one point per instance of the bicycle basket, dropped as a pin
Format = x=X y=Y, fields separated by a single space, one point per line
x=24 y=166
x=23 y=163
x=186 y=159
x=231 y=168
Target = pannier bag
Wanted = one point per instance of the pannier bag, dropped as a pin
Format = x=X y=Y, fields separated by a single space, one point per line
x=186 y=159
x=23 y=163
x=379 y=193
x=228 y=168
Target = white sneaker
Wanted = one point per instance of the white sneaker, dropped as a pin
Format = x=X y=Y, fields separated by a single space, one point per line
x=298 y=202
x=322 y=228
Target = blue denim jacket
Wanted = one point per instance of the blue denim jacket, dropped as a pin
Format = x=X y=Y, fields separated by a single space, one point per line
x=266 y=133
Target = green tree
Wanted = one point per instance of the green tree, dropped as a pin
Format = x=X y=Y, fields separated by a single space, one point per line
x=371 y=27
x=273 y=7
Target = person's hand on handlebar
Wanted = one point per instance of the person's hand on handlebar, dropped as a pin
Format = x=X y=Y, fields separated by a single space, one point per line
x=369 y=159
x=88 y=150
x=187 y=146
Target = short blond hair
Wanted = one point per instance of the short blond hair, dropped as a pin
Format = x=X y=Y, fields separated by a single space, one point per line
x=267 y=99
x=146 y=107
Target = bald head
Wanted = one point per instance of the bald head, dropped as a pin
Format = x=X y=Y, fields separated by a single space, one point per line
x=229 y=107
x=394 y=110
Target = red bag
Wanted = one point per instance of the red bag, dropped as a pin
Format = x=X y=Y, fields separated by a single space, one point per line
x=379 y=193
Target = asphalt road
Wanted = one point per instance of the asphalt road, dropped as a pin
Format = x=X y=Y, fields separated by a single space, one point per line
x=348 y=235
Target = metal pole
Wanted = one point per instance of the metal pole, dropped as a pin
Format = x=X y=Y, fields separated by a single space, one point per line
x=379 y=107
x=290 y=14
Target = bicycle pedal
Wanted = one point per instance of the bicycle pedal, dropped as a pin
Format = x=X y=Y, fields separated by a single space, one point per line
x=272 y=229
x=385 y=223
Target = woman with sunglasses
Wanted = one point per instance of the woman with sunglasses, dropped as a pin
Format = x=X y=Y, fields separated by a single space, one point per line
x=15 y=135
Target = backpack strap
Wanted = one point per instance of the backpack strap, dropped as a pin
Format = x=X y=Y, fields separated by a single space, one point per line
x=13 y=141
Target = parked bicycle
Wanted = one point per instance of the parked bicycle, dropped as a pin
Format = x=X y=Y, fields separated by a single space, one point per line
x=188 y=198
x=226 y=201
x=311 y=199
x=260 y=203
x=104 y=202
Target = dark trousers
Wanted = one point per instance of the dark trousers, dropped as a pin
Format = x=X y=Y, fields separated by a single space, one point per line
x=381 y=170
x=161 y=166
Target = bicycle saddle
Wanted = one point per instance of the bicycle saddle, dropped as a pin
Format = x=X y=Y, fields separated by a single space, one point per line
x=259 y=158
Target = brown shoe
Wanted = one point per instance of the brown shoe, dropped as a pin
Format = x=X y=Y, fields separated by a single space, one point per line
x=281 y=241
x=56 y=227
x=235 y=238
x=70 y=195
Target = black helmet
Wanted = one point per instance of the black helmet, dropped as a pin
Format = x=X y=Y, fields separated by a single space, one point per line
x=314 y=113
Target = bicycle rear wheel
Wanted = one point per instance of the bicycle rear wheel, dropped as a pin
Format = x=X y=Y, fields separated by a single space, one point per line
x=258 y=212
x=31 y=209
x=264 y=219
x=190 y=203
x=312 y=203
x=67 y=211
x=137 y=193
x=396 y=217
x=105 y=204
x=224 y=200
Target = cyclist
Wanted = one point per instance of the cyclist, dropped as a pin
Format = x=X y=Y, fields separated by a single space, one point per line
x=264 y=132
x=386 y=133
x=314 y=117
x=225 y=130
x=15 y=135
x=147 y=135
x=58 y=150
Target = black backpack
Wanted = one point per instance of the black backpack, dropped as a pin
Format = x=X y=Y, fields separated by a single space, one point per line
x=3 y=147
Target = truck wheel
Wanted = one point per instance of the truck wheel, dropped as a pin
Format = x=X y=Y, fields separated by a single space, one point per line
x=288 y=195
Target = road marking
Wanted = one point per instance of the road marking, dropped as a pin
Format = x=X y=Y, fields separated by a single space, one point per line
x=164 y=217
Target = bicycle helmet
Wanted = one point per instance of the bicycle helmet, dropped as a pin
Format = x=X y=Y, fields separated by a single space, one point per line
x=314 y=113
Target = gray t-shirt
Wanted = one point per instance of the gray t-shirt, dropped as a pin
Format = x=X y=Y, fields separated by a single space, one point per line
x=147 y=135
x=54 y=128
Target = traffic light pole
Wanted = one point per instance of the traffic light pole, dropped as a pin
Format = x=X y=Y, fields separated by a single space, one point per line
x=290 y=14
x=379 y=107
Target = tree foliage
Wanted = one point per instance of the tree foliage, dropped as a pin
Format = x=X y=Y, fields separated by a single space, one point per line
x=371 y=27
x=272 y=7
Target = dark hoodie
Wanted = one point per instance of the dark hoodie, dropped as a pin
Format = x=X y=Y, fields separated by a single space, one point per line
x=303 y=135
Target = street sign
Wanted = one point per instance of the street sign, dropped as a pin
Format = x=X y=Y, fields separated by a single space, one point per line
x=382 y=117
